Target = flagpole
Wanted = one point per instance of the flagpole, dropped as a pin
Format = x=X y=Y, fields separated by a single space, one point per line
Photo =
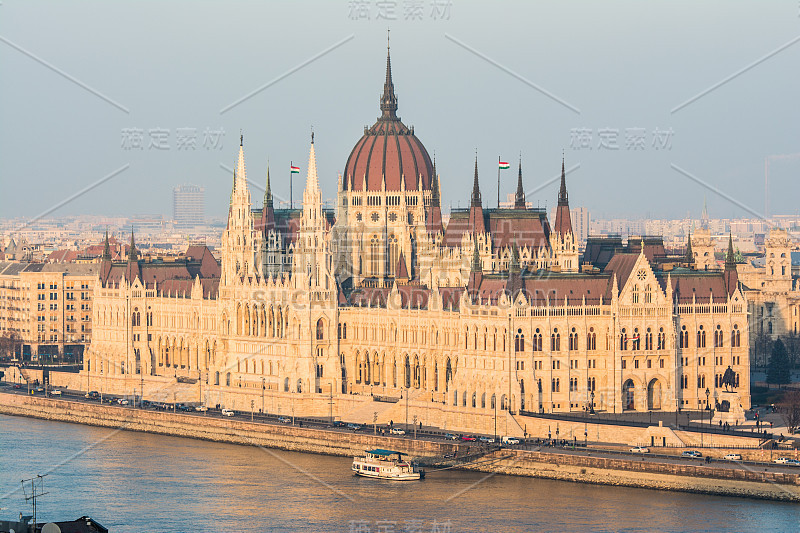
x=498 y=182
x=291 y=175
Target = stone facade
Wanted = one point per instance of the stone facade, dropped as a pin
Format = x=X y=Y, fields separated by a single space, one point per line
x=488 y=313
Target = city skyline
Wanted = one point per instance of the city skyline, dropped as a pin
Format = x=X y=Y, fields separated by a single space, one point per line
x=518 y=101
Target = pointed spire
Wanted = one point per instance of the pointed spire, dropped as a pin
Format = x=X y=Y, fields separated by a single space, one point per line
x=476 y=258
x=563 y=198
x=730 y=258
x=476 y=190
x=435 y=186
x=689 y=256
x=240 y=182
x=519 y=199
x=132 y=254
x=563 y=218
x=312 y=181
x=513 y=266
x=388 y=99
x=106 y=249
x=268 y=192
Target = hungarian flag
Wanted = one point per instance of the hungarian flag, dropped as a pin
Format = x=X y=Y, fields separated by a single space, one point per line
x=503 y=164
x=295 y=170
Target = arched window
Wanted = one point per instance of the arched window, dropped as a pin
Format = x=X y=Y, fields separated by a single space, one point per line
x=519 y=341
x=662 y=339
x=636 y=344
x=228 y=379
x=648 y=340
x=701 y=338
x=684 y=337
x=623 y=340
x=573 y=340
x=216 y=378
x=555 y=340
x=735 y=336
x=591 y=340
x=320 y=329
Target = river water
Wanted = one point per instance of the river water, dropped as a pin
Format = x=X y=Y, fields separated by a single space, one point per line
x=131 y=481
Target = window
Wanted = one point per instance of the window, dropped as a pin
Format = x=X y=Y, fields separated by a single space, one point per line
x=519 y=341
x=718 y=337
x=662 y=339
x=735 y=336
x=537 y=341
x=623 y=340
x=591 y=340
x=648 y=340
x=555 y=340
x=636 y=339
x=684 y=337
x=573 y=340
x=701 y=338
x=320 y=329
x=556 y=385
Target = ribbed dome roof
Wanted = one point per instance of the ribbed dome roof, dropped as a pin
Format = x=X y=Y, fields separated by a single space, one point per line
x=388 y=149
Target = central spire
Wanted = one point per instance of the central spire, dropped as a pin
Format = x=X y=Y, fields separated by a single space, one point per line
x=388 y=99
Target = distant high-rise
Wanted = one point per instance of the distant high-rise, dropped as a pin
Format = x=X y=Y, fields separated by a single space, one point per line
x=188 y=205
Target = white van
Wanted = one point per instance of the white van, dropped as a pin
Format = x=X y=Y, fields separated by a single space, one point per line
x=228 y=412
x=510 y=441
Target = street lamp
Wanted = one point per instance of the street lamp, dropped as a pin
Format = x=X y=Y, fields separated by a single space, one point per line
x=591 y=405
x=708 y=407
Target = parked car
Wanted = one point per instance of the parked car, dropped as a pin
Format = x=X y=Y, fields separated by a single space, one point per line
x=792 y=462
x=284 y=420
x=450 y=436
x=55 y=392
x=692 y=453
x=640 y=449
x=92 y=395
x=228 y=412
x=338 y=424
x=781 y=460
x=733 y=457
x=201 y=408
x=468 y=438
x=17 y=386
x=122 y=401
x=397 y=431
x=38 y=390
x=486 y=439
x=354 y=427
x=511 y=441
x=187 y=408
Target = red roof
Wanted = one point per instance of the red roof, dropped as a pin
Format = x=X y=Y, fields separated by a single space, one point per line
x=392 y=150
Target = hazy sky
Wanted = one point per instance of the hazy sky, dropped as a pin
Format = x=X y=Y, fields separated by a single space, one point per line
x=499 y=77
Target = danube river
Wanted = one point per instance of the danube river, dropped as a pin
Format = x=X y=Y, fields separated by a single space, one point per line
x=140 y=482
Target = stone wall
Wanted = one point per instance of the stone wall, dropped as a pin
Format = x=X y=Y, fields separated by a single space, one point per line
x=643 y=474
x=578 y=468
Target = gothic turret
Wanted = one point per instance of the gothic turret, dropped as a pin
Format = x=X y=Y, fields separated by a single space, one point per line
x=388 y=98
x=731 y=274
x=238 y=242
x=433 y=215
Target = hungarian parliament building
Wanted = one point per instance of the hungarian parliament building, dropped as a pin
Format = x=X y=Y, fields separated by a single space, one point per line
x=347 y=310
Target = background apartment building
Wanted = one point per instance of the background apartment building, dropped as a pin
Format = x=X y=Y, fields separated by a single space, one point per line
x=46 y=311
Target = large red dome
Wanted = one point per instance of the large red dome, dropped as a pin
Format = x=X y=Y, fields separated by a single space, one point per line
x=388 y=150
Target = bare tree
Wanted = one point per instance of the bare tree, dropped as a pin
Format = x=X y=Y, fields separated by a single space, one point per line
x=789 y=408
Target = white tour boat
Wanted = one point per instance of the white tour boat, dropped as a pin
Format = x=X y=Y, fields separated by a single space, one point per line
x=386 y=464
